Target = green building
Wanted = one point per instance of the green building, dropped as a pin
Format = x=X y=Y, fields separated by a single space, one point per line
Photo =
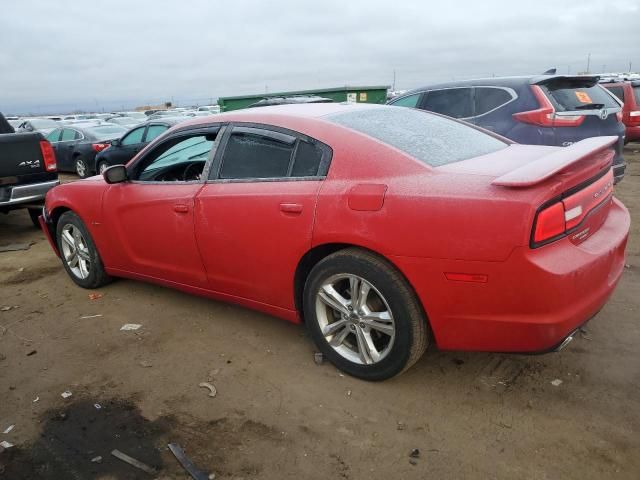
x=377 y=94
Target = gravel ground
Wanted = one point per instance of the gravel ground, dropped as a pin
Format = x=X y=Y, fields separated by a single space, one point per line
x=574 y=414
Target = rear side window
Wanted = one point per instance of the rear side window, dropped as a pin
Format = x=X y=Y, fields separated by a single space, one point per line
x=487 y=99
x=54 y=136
x=617 y=91
x=567 y=96
x=307 y=160
x=408 y=101
x=453 y=102
x=154 y=131
x=68 y=135
x=255 y=153
x=429 y=138
x=636 y=92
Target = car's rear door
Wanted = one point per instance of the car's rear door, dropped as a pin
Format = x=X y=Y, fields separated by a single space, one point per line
x=254 y=217
x=65 y=149
x=150 y=219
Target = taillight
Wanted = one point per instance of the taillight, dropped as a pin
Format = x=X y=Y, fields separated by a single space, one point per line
x=98 y=147
x=550 y=223
x=545 y=116
x=634 y=113
x=48 y=155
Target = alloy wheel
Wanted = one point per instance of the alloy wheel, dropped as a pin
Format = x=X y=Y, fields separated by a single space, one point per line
x=81 y=168
x=355 y=319
x=75 y=251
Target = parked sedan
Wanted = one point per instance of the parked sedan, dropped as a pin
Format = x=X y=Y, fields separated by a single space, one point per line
x=124 y=149
x=126 y=122
x=384 y=229
x=553 y=110
x=76 y=145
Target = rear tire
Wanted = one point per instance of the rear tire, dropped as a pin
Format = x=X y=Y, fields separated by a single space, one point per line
x=377 y=334
x=34 y=213
x=81 y=166
x=79 y=255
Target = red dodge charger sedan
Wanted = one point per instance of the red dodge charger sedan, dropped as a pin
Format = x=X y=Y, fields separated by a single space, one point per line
x=384 y=229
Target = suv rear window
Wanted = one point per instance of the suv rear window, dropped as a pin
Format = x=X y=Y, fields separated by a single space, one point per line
x=429 y=138
x=568 y=95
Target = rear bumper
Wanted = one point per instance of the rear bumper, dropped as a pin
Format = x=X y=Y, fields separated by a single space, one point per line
x=532 y=301
x=32 y=193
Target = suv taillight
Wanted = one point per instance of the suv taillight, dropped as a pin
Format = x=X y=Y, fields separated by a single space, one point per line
x=48 y=155
x=545 y=116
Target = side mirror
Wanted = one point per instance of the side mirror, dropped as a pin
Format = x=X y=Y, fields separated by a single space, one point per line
x=115 y=142
x=115 y=174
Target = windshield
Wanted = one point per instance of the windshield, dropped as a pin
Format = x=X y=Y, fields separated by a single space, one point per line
x=43 y=123
x=105 y=132
x=429 y=138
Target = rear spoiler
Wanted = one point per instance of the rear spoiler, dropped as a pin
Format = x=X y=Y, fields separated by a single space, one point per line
x=542 y=79
x=547 y=166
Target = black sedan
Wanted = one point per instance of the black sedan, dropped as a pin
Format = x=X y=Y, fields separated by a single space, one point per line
x=76 y=146
x=123 y=150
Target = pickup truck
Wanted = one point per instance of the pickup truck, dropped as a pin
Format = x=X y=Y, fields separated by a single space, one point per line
x=27 y=170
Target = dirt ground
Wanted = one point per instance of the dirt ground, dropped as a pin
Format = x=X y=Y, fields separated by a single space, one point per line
x=279 y=415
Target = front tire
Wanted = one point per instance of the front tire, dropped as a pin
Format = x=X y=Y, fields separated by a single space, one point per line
x=81 y=166
x=373 y=334
x=102 y=166
x=79 y=254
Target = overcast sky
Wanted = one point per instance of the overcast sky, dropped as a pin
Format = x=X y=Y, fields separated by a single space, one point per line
x=104 y=54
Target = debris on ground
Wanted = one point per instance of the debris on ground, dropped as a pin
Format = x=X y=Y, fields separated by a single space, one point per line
x=146 y=364
x=188 y=465
x=32 y=352
x=35 y=399
x=6 y=308
x=130 y=326
x=95 y=296
x=133 y=462
x=401 y=426
x=556 y=383
x=14 y=247
x=66 y=394
x=90 y=316
x=212 y=390
x=4 y=444
x=415 y=453
x=8 y=429
x=348 y=393
x=97 y=459
x=318 y=357
x=97 y=406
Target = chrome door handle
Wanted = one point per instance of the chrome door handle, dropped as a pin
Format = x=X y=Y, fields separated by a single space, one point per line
x=181 y=208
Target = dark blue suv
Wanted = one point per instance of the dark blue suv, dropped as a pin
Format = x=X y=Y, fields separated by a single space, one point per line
x=541 y=110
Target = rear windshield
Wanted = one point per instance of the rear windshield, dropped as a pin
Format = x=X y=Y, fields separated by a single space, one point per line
x=429 y=138
x=568 y=96
x=107 y=131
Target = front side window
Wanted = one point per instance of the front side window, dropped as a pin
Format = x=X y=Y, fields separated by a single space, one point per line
x=155 y=131
x=181 y=158
x=256 y=153
x=133 y=137
x=408 y=101
x=452 y=102
x=487 y=99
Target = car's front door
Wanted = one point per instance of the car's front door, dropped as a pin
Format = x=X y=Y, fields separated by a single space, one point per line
x=65 y=148
x=150 y=218
x=255 y=215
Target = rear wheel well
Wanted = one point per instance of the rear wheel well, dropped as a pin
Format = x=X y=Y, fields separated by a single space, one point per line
x=315 y=255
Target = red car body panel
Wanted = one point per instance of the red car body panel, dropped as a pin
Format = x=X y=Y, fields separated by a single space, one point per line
x=243 y=241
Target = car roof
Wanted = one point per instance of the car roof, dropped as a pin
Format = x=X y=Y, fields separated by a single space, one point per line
x=512 y=82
